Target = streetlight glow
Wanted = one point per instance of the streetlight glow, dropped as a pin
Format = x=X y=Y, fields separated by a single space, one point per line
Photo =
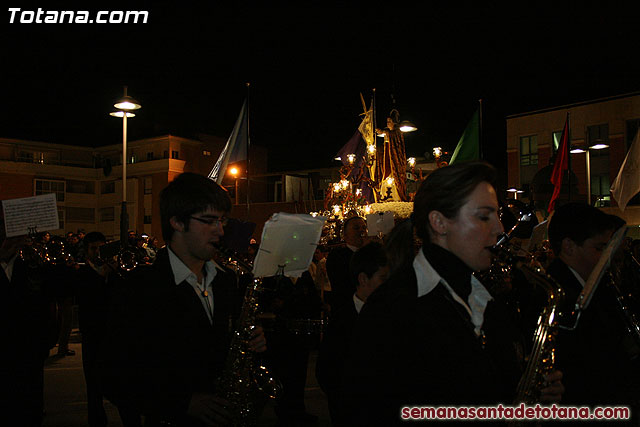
x=120 y=114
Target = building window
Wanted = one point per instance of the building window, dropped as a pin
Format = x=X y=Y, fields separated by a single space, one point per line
x=80 y=214
x=165 y=154
x=80 y=187
x=46 y=186
x=600 y=185
x=107 y=187
x=107 y=214
x=174 y=154
x=632 y=130
x=147 y=219
x=529 y=150
x=150 y=156
x=25 y=156
x=206 y=153
x=148 y=185
x=133 y=159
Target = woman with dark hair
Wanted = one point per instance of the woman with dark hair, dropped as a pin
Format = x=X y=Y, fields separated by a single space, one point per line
x=432 y=334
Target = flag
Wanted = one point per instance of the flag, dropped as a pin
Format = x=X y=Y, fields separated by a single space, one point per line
x=236 y=148
x=358 y=145
x=468 y=147
x=561 y=165
x=627 y=183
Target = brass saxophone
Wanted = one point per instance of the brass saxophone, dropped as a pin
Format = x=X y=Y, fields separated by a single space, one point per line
x=244 y=381
x=542 y=357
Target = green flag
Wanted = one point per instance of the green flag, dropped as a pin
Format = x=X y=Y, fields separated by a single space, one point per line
x=468 y=147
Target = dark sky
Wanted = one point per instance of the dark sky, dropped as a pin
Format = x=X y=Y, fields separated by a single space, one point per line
x=307 y=66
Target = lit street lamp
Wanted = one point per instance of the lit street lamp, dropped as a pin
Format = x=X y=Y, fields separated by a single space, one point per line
x=515 y=192
x=234 y=172
x=578 y=150
x=124 y=106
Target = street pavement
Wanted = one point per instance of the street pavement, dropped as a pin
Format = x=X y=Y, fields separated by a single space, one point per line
x=66 y=402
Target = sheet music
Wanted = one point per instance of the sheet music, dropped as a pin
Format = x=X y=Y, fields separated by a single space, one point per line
x=28 y=215
x=288 y=240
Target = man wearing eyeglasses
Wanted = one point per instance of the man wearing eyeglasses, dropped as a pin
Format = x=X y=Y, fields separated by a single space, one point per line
x=171 y=322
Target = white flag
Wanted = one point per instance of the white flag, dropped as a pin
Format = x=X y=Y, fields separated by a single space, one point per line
x=236 y=148
x=627 y=183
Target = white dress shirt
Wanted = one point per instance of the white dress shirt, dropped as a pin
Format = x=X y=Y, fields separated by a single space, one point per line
x=204 y=290
x=475 y=305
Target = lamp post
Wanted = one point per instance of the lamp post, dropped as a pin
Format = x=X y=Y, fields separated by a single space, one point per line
x=587 y=152
x=124 y=106
x=234 y=172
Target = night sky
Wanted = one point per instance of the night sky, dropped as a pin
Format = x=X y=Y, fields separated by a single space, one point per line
x=307 y=66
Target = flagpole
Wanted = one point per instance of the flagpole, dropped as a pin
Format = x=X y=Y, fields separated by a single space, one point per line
x=248 y=145
x=480 y=126
x=569 y=153
x=374 y=177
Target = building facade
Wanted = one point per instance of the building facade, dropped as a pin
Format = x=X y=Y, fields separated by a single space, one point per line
x=533 y=139
x=88 y=181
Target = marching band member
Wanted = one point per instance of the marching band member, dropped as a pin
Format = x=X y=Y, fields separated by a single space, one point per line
x=597 y=358
x=432 y=334
x=169 y=325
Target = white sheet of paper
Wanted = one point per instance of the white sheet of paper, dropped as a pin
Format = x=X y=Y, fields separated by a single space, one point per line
x=380 y=222
x=598 y=271
x=288 y=240
x=30 y=214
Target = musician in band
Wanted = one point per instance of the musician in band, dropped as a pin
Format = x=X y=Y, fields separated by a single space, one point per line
x=169 y=323
x=432 y=334
x=599 y=358
x=354 y=232
x=368 y=269
x=30 y=328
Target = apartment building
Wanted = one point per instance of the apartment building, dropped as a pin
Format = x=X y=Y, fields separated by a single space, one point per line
x=88 y=181
x=533 y=139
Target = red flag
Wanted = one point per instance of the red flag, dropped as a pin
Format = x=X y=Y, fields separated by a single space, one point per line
x=561 y=165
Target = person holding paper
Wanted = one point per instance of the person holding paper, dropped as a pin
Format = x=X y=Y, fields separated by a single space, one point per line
x=170 y=323
x=432 y=334
x=596 y=358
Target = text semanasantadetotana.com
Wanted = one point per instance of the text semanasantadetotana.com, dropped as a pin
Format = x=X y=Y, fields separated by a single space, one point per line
x=522 y=412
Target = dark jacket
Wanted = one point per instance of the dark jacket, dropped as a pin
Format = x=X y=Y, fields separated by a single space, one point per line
x=160 y=347
x=423 y=351
x=597 y=368
x=342 y=286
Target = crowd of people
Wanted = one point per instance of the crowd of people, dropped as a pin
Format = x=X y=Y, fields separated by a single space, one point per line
x=400 y=322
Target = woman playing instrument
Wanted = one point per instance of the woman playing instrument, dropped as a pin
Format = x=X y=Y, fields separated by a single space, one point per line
x=432 y=334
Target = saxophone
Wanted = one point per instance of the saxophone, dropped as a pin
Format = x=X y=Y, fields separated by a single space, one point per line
x=542 y=357
x=243 y=376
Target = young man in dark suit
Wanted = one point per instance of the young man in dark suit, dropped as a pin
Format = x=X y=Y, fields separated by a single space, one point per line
x=354 y=235
x=368 y=270
x=170 y=324
x=595 y=358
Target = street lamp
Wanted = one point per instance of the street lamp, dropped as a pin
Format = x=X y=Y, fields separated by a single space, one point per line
x=124 y=106
x=515 y=192
x=587 y=152
x=234 y=172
